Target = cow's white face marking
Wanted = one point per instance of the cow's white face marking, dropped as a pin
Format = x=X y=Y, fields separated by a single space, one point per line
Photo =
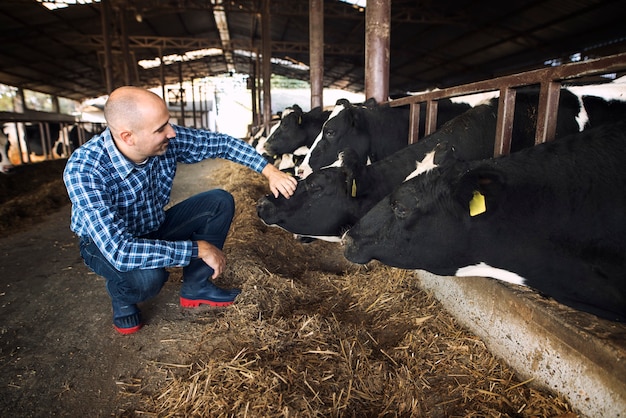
x=275 y=127
x=427 y=164
x=485 y=270
x=328 y=238
x=260 y=147
x=338 y=162
x=301 y=151
x=286 y=162
x=305 y=169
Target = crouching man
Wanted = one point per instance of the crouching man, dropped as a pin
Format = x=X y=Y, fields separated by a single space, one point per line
x=119 y=184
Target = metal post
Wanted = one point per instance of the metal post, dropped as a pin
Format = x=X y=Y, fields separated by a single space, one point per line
x=316 y=54
x=162 y=73
x=253 y=93
x=193 y=103
x=377 y=40
x=124 y=45
x=105 y=15
x=181 y=93
x=267 y=66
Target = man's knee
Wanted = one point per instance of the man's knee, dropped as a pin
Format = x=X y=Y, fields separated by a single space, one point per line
x=150 y=282
x=226 y=200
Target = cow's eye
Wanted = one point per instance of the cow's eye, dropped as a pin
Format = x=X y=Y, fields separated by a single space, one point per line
x=399 y=210
x=329 y=133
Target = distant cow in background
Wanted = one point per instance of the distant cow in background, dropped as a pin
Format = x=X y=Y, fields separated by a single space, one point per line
x=73 y=136
x=5 y=164
x=550 y=217
x=601 y=111
x=41 y=137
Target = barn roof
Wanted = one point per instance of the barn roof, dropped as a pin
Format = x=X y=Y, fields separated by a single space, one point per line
x=433 y=43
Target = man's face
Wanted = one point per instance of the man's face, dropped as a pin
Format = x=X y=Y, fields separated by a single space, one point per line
x=153 y=134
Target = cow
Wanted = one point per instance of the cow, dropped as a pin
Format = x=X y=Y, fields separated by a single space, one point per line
x=600 y=111
x=5 y=164
x=332 y=199
x=296 y=129
x=550 y=217
x=373 y=130
x=40 y=137
x=73 y=136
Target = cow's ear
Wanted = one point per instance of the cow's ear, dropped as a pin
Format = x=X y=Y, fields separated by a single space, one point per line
x=479 y=191
x=349 y=159
x=371 y=102
x=343 y=102
x=316 y=111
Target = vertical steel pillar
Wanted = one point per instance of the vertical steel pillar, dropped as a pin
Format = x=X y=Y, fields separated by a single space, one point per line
x=193 y=104
x=105 y=17
x=253 y=93
x=181 y=92
x=377 y=40
x=316 y=51
x=267 y=66
x=124 y=45
x=162 y=74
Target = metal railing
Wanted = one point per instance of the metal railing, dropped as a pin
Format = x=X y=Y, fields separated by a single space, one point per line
x=549 y=79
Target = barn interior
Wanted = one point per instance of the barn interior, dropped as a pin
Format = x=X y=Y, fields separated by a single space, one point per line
x=62 y=51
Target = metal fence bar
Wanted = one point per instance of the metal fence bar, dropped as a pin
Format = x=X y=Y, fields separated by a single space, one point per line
x=548 y=78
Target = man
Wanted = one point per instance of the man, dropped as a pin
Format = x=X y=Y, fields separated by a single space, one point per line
x=119 y=183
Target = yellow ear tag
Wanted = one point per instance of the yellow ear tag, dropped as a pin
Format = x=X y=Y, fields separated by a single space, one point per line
x=477 y=204
x=353 y=188
x=299 y=120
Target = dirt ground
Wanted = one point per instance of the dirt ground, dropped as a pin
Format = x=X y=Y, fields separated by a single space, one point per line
x=59 y=354
x=279 y=351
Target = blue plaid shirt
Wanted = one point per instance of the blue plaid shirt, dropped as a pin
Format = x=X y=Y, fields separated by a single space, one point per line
x=115 y=201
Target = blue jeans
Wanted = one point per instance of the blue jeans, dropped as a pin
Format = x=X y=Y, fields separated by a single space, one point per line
x=206 y=216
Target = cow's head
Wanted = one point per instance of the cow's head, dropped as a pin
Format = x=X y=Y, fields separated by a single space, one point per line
x=426 y=222
x=344 y=129
x=289 y=134
x=323 y=206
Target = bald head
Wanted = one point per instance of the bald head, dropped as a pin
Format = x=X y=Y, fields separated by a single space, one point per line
x=129 y=107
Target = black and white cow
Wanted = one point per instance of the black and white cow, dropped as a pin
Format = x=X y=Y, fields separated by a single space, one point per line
x=600 y=111
x=296 y=129
x=374 y=131
x=5 y=163
x=40 y=137
x=329 y=201
x=73 y=136
x=550 y=217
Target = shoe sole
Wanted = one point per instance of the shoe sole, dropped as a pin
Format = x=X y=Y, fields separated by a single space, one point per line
x=126 y=331
x=194 y=303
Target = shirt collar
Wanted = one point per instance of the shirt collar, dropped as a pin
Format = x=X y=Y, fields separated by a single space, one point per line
x=120 y=163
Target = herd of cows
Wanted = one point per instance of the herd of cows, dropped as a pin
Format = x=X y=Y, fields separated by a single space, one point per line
x=550 y=216
x=41 y=140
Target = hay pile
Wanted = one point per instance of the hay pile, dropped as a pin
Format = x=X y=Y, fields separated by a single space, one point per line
x=312 y=335
x=30 y=193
